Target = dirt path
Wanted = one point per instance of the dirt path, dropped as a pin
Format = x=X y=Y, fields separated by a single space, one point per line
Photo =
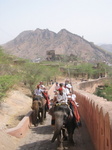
x=16 y=105
x=39 y=138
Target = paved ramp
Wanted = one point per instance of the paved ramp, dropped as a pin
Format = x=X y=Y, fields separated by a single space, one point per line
x=39 y=138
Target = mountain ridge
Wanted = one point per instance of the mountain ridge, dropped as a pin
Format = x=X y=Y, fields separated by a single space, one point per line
x=107 y=47
x=34 y=44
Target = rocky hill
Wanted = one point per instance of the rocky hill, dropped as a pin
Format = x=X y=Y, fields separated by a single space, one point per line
x=107 y=47
x=35 y=44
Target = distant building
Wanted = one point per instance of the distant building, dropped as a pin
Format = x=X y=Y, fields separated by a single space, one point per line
x=50 y=55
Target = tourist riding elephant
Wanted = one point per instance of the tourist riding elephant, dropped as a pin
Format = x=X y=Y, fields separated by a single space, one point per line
x=39 y=110
x=64 y=121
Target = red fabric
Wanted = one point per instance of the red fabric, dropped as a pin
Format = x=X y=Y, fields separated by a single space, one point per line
x=75 y=111
x=46 y=96
x=38 y=85
x=60 y=89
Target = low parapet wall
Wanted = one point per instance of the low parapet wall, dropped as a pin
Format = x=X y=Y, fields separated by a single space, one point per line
x=90 y=86
x=20 y=130
x=97 y=114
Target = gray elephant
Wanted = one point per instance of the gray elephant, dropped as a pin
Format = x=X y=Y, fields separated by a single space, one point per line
x=65 y=124
x=39 y=110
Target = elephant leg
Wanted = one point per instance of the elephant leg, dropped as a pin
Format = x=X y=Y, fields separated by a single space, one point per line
x=42 y=116
x=45 y=115
x=64 y=134
x=71 y=138
x=59 y=141
x=34 y=118
x=57 y=132
x=45 y=112
x=39 y=117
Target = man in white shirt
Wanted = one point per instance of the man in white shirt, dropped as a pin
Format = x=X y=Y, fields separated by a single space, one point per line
x=67 y=91
x=69 y=87
x=73 y=97
x=38 y=91
x=61 y=97
x=57 y=86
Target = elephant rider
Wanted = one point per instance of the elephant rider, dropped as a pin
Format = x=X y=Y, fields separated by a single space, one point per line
x=69 y=87
x=41 y=85
x=67 y=91
x=74 y=109
x=73 y=98
x=54 y=100
x=67 y=81
x=42 y=92
x=57 y=86
x=62 y=87
x=60 y=99
x=38 y=91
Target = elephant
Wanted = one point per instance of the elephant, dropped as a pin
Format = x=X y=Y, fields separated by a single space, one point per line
x=64 y=123
x=39 y=110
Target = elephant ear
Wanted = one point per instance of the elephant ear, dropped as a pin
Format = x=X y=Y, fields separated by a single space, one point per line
x=51 y=111
x=35 y=105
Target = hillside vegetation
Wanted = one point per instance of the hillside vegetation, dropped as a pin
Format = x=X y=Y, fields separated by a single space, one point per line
x=105 y=91
x=14 y=70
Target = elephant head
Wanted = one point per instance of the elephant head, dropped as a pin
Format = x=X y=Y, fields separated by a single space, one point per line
x=63 y=119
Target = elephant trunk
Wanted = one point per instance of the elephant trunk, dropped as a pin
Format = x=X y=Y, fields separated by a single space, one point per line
x=58 y=125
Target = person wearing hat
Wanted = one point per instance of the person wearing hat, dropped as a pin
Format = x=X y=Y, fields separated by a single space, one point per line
x=67 y=81
x=62 y=87
x=37 y=95
x=57 y=86
x=61 y=97
x=41 y=85
x=73 y=98
x=54 y=100
x=38 y=91
x=67 y=91
x=69 y=87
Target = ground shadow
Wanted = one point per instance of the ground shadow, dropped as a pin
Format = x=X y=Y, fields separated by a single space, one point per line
x=20 y=117
x=48 y=129
x=39 y=145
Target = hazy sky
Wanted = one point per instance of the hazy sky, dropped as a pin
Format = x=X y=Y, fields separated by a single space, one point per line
x=89 y=18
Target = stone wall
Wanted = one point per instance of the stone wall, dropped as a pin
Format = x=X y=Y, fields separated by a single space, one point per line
x=90 y=86
x=97 y=114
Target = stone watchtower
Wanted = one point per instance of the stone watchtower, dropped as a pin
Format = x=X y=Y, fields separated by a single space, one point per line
x=50 y=55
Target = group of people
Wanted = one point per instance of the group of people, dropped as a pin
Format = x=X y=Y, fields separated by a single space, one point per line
x=64 y=91
x=63 y=94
